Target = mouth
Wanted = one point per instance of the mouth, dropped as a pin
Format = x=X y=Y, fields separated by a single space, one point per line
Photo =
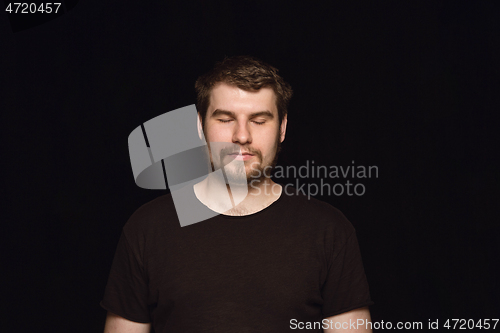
x=242 y=156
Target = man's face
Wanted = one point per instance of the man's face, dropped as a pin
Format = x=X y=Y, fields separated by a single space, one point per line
x=250 y=121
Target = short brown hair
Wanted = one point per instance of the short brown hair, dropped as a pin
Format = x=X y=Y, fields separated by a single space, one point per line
x=246 y=73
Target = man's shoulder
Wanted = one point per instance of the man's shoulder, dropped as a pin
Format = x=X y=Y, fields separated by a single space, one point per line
x=152 y=213
x=315 y=211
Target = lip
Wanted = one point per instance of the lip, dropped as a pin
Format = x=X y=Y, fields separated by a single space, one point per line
x=242 y=157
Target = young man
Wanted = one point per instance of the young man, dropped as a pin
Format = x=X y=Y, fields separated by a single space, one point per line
x=270 y=262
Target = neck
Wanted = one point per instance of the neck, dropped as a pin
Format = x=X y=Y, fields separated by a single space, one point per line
x=237 y=200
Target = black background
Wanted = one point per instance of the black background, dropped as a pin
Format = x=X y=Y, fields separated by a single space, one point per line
x=413 y=88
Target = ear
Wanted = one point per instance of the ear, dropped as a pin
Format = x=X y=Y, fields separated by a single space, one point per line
x=283 y=128
x=200 y=128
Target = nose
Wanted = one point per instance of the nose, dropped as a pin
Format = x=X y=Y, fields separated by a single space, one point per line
x=242 y=134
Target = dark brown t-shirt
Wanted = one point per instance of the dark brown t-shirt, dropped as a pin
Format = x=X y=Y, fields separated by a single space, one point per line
x=295 y=261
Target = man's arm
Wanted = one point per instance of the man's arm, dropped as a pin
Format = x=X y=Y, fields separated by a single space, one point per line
x=344 y=321
x=117 y=324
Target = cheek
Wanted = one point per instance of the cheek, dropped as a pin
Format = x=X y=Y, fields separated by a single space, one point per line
x=269 y=149
x=215 y=135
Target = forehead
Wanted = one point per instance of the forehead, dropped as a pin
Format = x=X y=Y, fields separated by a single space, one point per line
x=232 y=98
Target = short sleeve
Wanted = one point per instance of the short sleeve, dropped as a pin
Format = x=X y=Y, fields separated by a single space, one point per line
x=346 y=286
x=126 y=292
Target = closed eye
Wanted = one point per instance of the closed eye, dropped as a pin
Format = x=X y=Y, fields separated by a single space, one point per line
x=229 y=120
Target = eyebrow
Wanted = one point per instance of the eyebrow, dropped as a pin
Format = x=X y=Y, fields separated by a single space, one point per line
x=219 y=112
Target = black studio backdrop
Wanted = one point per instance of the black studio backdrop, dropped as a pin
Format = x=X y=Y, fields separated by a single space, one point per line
x=412 y=88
